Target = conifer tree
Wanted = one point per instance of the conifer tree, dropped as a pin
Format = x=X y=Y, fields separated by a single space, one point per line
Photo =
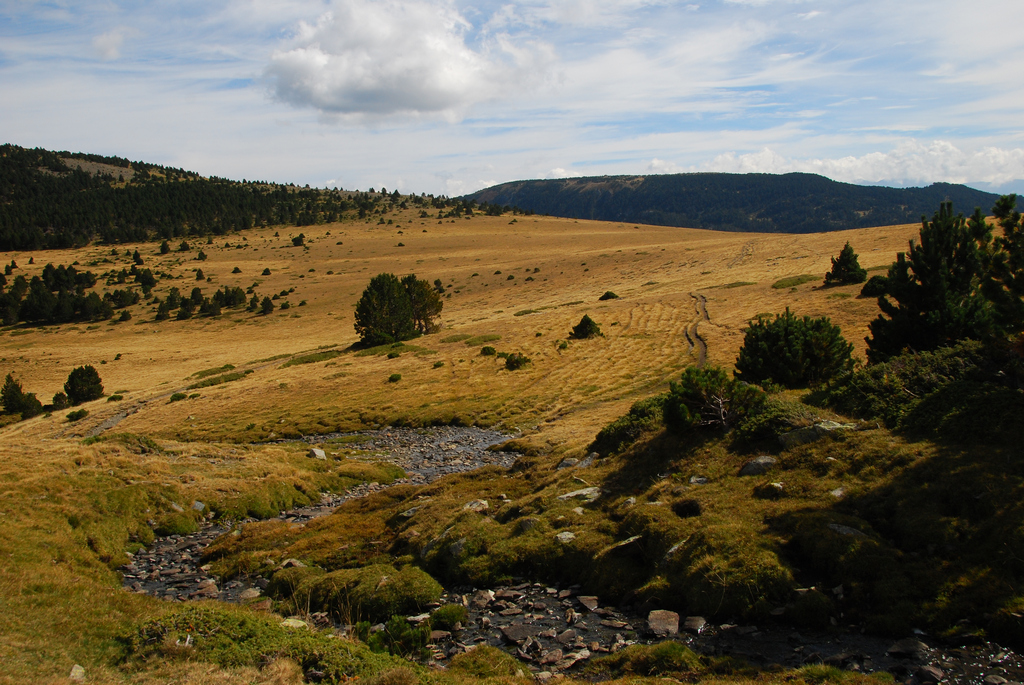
x=846 y=269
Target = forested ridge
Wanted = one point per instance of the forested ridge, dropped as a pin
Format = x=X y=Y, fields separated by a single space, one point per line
x=47 y=201
x=762 y=203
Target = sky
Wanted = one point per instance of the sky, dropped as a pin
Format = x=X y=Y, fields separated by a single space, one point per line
x=448 y=97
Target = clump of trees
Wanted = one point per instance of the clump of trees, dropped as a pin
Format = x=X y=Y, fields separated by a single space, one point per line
x=82 y=385
x=392 y=309
x=793 y=351
x=16 y=401
x=846 y=269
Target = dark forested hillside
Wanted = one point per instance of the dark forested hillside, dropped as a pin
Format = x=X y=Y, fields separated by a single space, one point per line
x=59 y=199
x=765 y=203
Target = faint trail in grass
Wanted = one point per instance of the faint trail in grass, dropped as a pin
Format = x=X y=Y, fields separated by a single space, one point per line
x=693 y=336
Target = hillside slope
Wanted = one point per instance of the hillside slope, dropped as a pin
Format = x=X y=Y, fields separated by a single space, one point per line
x=759 y=203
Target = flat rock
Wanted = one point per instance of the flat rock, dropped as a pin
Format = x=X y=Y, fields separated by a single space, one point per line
x=663 y=623
x=589 y=494
x=518 y=633
x=694 y=624
x=478 y=506
x=929 y=675
x=624 y=546
x=566 y=637
x=589 y=602
x=567 y=463
x=845 y=530
x=551 y=657
x=481 y=598
x=698 y=480
x=77 y=673
x=292 y=563
x=565 y=537
x=249 y=593
x=908 y=648
x=294 y=623
x=820 y=430
x=439 y=635
x=198 y=506
x=758 y=466
x=177 y=507
x=994 y=680
x=316 y=453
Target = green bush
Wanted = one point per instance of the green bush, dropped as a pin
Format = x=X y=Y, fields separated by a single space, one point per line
x=177 y=397
x=875 y=287
x=115 y=398
x=644 y=416
x=15 y=401
x=78 y=414
x=586 y=328
x=285 y=582
x=708 y=398
x=516 y=361
x=794 y=352
x=394 y=355
x=608 y=295
x=445 y=617
x=793 y=281
x=394 y=378
x=438 y=364
x=890 y=390
x=399 y=637
x=486 y=662
x=488 y=351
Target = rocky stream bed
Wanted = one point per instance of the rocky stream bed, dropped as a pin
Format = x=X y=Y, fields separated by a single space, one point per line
x=555 y=630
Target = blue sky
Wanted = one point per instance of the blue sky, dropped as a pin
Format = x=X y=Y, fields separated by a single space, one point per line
x=449 y=96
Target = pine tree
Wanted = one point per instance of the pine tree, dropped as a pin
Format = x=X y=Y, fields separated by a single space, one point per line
x=586 y=328
x=384 y=312
x=846 y=269
x=425 y=303
x=791 y=351
x=266 y=306
x=15 y=401
x=83 y=384
x=932 y=296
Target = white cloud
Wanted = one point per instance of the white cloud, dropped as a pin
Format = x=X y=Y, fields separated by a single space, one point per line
x=911 y=162
x=108 y=45
x=388 y=57
x=559 y=172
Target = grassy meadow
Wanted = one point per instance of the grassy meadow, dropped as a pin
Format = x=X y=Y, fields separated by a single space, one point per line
x=75 y=496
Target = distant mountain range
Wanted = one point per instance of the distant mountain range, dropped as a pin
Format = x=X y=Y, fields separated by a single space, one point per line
x=762 y=203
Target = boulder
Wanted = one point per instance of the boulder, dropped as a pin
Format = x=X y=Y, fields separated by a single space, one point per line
x=566 y=637
x=589 y=602
x=77 y=673
x=292 y=563
x=567 y=463
x=589 y=494
x=694 y=624
x=698 y=480
x=822 y=429
x=316 y=453
x=758 y=466
x=481 y=598
x=478 y=506
x=518 y=633
x=177 y=507
x=198 y=506
x=565 y=537
x=908 y=648
x=249 y=593
x=845 y=530
x=663 y=623
x=929 y=675
x=528 y=524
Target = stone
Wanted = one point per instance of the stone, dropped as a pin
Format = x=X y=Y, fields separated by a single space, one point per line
x=294 y=623
x=929 y=675
x=588 y=460
x=994 y=680
x=511 y=611
x=316 y=453
x=77 y=673
x=198 y=506
x=698 y=480
x=838 y=493
x=550 y=657
x=820 y=430
x=845 y=530
x=617 y=625
x=908 y=648
x=758 y=466
x=177 y=507
x=663 y=623
x=250 y=593
x=292 y=563
x=408 y=513
x=478 y=506
x=457 y=548
x=770 y=491
x=528 y=524
x=629 y=544
x=481 y=598
x=565 y=537
x=566 y=637
x=262 y=605
x=589 y=602
x=544 y=676
x=567 y=463
x=419 y=619
x=589 y=494
x=517 y=633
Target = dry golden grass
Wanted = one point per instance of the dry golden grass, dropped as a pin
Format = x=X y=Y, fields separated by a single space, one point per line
x=58 y=580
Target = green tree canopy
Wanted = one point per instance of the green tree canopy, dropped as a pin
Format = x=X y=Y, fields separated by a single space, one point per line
x=391 y=309
x=425 y=302
x=846 y=269
x=792 y=351
x=15 y=401
x=83 y=384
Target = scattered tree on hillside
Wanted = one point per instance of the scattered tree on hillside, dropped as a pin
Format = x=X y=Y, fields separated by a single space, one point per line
x=846 y=269
x=16 y=401
x=83 y=385
x=794 y=352
x=391 y=309
x=266 y=306
x=586 y=328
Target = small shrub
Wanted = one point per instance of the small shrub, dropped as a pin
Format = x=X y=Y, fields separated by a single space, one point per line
x=608 y=295
x=115 y=398
x=61 y=401
x=563 y=344
x=586 y=328
x=236 y=270
x=516 y=361
x=875 y=287
x=793 y=281
x=447 y=616
x=78 y=414
x=266 y=271
x=708 y=398
x=644 y=416
x=651 y=660
x=438 y=364
x=125 y=316
x=394 y=355
x=794 y=352
x=776 y=417
x=394 y=378
x=488 y=351
x=177 y=397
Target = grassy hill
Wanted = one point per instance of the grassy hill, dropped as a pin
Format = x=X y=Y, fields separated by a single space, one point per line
x=77 y=495
x=761 y=203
